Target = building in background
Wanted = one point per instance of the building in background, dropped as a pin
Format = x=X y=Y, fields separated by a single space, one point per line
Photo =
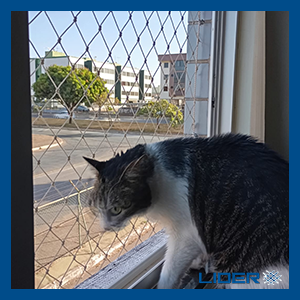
x=127 y=84
x=172 y=78
x=124 y=83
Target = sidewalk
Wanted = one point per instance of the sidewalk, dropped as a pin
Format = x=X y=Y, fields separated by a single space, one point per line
x=40 y=141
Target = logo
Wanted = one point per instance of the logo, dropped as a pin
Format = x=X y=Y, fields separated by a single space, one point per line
x=241 y=278
x=270 y=278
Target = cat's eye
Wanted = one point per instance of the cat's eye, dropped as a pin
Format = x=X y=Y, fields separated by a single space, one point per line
x=116 y=210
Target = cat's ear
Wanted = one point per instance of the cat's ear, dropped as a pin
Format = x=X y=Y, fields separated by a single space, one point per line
x=141 y=167
x=98 y=165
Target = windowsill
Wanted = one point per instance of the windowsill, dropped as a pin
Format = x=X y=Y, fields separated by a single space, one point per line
x=138 y=268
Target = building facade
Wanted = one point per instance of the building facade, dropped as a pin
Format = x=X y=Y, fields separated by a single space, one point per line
x=172 y=79
x=127 y=84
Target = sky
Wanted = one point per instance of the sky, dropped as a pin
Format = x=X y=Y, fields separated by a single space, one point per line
x=46 y=27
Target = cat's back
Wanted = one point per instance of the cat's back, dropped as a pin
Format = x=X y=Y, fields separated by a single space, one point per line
x=241 y=156
x=224 y=153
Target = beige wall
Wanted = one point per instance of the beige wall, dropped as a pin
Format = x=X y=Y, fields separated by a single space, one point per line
x=249 y=93
x=261 y=93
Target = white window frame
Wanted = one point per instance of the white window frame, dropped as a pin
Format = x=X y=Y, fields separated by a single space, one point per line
x=222 y=72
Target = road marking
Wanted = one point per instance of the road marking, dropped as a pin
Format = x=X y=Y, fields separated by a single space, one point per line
x=46 y=146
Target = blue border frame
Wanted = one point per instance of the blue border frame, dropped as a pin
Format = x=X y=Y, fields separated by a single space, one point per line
x=5 y=149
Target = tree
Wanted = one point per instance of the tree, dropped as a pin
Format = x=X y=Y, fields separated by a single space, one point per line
x=160 y=108
x=71 y=89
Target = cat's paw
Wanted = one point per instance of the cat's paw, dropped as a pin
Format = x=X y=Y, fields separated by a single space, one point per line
x=162 y=284
x=165 y=282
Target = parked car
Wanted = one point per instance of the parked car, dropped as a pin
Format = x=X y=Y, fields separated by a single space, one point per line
x=82 y=108
x=63 y=114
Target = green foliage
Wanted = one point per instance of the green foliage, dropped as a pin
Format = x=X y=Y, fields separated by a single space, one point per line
x=72 y=89
x=160 y=108
x=103 y=99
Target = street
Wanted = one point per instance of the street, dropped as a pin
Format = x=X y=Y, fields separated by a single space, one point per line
x=104 y=117
x=54 y=167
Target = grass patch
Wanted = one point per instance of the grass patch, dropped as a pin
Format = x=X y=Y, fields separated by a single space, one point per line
x=117 y=126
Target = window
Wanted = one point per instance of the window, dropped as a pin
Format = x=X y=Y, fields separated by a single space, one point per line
x=127 y=83
x=166 y=77
x=130 y=93
x=179 y=77
x=109 y=81
x=129 y=74
x=108 y=71
x=94 y=146
x=226 y=92
x=179 y=65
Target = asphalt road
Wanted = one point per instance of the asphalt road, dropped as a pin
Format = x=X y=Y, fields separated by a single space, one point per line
x=54 y=167
x=103 y=117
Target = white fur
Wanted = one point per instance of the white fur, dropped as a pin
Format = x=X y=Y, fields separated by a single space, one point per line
x=170 y=206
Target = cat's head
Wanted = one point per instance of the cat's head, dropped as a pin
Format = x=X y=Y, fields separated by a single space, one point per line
x=121 y=189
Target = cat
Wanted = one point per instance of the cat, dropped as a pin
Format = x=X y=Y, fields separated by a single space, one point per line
x=223 y=200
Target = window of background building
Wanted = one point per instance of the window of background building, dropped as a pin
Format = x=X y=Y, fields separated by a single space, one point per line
x=165 y=88
x=179 y=65
x=166 y=65
x=179 y=77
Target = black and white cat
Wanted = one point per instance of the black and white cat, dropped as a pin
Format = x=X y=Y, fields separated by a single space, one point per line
x=223 y=199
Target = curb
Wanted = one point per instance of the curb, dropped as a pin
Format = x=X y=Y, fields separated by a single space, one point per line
x=46 y=146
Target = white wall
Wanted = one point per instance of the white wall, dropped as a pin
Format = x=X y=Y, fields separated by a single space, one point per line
x=127 y=88
x=32 y=73
x=108 y=77
x=59 y=61
x=163 y=82
x=75 y=60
